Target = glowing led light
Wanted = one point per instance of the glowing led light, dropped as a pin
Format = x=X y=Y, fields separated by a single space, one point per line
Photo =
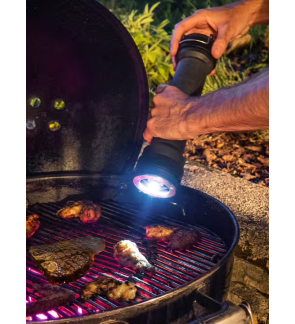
x=53 y=313
x=29 y=318
x=41 y=316
x=80 y=311
x=154 y=187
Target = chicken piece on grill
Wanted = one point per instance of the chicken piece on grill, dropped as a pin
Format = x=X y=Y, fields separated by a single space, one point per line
x=55 y=296
x=32 y=224
x=184 y=238
x=66 y=261
x=160 y=232
x=128 y=255
x=86 y=210
x=112 y=288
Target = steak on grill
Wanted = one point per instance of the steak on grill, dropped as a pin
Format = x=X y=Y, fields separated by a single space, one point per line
x=128 y=255
x=32 y=224
x=184 y=238
x=112 y=288
x=66 y=261
x=55 y=296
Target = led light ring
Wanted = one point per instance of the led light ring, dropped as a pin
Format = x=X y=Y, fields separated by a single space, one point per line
x=138 y=183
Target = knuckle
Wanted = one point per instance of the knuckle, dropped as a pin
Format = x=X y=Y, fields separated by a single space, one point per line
x=179 y=27
x=156 y=101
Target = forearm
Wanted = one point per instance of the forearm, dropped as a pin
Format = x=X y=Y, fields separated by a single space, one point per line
x=258 y=10
x=243 y=107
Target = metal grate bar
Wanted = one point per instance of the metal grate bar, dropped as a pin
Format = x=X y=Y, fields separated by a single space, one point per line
x=173 y=268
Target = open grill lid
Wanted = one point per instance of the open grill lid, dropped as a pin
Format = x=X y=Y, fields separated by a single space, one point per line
x=84 y=72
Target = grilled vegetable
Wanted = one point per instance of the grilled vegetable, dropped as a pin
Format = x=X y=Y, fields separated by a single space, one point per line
x=128 y=255
x=160 y=232
x=184 y=238
x=86 y=210
x=32 y=224
x=55 y=296
x=112 y=288
x=66 y=261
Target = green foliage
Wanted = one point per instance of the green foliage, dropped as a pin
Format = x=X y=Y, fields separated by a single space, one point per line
x=173 y=10
x=225 y=76
x=149 y=30
x=259 y=33
x=153 y=43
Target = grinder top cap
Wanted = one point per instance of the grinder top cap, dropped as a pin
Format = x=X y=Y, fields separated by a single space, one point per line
x=196 y=45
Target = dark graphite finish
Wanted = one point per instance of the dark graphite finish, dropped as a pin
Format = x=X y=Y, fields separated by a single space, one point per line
x=77 y=51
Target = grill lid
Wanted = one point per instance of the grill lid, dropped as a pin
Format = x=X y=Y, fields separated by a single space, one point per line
x=87 y=93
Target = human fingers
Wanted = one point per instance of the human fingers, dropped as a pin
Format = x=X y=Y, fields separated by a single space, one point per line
x=213 y=72
x=221 y=42
x=181 y=28
x=147 y=135
x=174 y=63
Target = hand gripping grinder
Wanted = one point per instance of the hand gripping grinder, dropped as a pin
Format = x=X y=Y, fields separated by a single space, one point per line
x=159 y=169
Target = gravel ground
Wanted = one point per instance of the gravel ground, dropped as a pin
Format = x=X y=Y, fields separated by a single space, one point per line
x=249 y=202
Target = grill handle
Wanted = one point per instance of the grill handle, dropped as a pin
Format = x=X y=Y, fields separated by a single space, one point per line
x=228 y=314
x=225 y=313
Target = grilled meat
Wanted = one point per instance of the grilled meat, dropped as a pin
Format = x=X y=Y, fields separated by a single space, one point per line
x=128 y=255
x=184 y=238
x=55 y=296
x=87 y=211
x=66 y=261
x=32 y=224
x=112 y=288
x=160 y=232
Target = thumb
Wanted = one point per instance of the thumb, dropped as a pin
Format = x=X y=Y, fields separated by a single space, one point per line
x=221 y=42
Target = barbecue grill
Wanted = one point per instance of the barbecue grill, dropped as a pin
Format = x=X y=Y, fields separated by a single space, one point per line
x=87 y=105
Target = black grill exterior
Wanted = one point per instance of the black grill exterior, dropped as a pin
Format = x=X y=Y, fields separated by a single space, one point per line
x=205 y=267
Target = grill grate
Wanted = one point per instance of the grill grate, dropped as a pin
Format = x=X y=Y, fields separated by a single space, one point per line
x=173 y=269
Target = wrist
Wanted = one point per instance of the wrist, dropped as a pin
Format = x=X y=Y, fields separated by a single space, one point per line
x=257 y=11
x=193 y=121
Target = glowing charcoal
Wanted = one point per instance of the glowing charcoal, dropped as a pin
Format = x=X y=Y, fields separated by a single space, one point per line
x=53 y=313
x=35 y=271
